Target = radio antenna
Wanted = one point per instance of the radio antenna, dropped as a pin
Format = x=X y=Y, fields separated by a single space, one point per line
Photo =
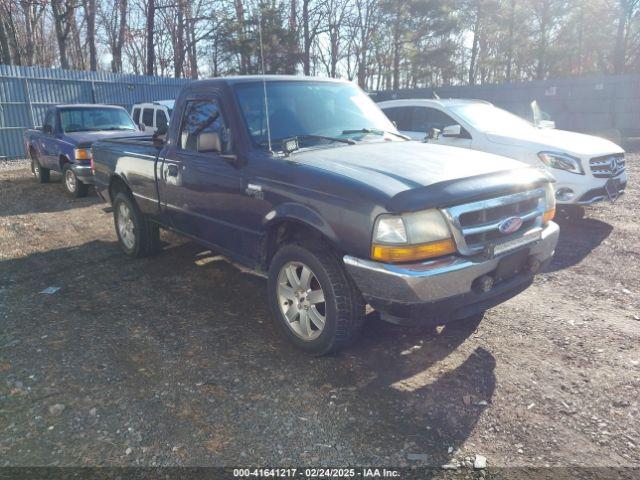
x=264 y=82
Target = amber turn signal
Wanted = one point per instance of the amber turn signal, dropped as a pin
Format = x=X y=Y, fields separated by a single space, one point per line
x=83 y=154
x=548 y=216
x=411 y=253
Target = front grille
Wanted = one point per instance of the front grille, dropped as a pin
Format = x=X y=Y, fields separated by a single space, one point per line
x=607 y=166
x=475 y=225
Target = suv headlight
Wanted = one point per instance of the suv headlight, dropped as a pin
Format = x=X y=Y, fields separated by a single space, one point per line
x=411 y=237
x=561 y=161
x=549 y=203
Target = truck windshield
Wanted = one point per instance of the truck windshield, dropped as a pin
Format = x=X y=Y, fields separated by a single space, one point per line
x=309 y=111
x=92 y=119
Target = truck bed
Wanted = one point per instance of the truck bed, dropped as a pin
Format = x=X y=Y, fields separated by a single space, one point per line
x=139 y=155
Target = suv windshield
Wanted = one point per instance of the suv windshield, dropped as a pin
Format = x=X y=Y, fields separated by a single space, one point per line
x=310 y=111
x=488 y=118
x=88 y=119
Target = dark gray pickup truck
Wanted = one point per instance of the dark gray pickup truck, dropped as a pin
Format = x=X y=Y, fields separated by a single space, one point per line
x=318 y=192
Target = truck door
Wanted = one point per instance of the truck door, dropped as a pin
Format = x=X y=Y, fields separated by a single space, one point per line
x=201 y=191
x=49 y=148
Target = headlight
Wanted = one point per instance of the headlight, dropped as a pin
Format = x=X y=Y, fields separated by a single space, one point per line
x=549 y=203
x=82 y=153
x=561 y=161
x=410 y=237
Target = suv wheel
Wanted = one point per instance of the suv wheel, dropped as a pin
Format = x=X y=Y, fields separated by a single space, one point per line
x=137 y=236
x=72 y=185
x=41 y=174
x=315 y=304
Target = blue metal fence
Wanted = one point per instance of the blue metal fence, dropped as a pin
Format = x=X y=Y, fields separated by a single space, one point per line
x=26 y=93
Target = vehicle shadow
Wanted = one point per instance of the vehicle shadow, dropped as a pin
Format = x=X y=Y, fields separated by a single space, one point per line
x=39 y=198
x=190 y=325
x=577 y=240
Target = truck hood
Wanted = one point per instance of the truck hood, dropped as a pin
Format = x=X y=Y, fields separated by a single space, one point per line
x=572 y=143
x=85 y=139
x=418 y=175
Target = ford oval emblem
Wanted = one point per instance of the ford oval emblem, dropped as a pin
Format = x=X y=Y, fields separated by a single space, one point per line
x=510 y=225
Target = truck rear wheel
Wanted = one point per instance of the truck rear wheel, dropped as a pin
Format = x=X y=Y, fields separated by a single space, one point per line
x=315 y=303
x=41 y=174
x=72 y=185
x=137 y=236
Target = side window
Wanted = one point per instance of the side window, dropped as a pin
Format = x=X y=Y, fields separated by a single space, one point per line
x=203 y=128
x=49 y=121
x=424 y=119
x=136 y=115
x=147 y=117
x=400 y=116
x=161 y=119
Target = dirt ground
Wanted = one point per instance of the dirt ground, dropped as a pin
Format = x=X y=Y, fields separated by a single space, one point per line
x=174 y=360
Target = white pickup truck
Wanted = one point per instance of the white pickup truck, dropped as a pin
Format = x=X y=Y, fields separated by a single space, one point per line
x=587 y=169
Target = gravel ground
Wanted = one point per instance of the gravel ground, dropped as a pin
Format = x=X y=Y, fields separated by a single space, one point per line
x=174 y=360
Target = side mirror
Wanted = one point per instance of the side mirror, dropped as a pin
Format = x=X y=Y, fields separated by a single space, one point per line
x=47 y=129
x=433 y=134
x=452 y=131
x=142 y=127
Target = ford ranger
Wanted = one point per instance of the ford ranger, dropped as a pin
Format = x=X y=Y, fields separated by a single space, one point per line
x=316 y=190
x=63 y=144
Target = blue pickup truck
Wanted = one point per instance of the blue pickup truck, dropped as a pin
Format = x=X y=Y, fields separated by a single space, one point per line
x=63 y=144
x=315 y=190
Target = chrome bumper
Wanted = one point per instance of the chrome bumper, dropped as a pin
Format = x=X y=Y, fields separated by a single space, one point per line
x=434 y=280
x=83 y=173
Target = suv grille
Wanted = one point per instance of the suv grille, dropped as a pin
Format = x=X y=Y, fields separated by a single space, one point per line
x=607 y=166
x=475 y=225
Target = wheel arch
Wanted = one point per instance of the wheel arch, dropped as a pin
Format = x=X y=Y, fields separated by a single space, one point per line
x=62 y=160
x=294 y=223
x=118 y=184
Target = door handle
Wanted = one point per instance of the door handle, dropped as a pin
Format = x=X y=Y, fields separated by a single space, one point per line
x=172 y=170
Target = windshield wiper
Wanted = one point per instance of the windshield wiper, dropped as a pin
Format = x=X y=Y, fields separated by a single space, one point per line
x=348 y=141
x=375 y=131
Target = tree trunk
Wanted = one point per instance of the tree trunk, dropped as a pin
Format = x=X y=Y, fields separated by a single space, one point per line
x=306 y=38
x=63 y=11
x=620 y=53
x=244 y=60
x=179 y=43
x=476 y=44
x=396 y=47
x=151 y=53
x=90 y=14
x=510 y=39
x=116 y=63
x=5 y=53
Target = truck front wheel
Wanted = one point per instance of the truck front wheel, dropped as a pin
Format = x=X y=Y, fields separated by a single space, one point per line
x=72 y=185
x=137 y=236
x=315 y=303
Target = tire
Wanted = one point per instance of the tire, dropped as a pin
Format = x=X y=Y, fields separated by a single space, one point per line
x=72 y=185
x=343 y=307
x=42 y=174
x=571 y=213
x=137 y=236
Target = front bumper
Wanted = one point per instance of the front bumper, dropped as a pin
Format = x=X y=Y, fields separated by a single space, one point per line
x=586 y=189
x=83 y=173
x=446 y=289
